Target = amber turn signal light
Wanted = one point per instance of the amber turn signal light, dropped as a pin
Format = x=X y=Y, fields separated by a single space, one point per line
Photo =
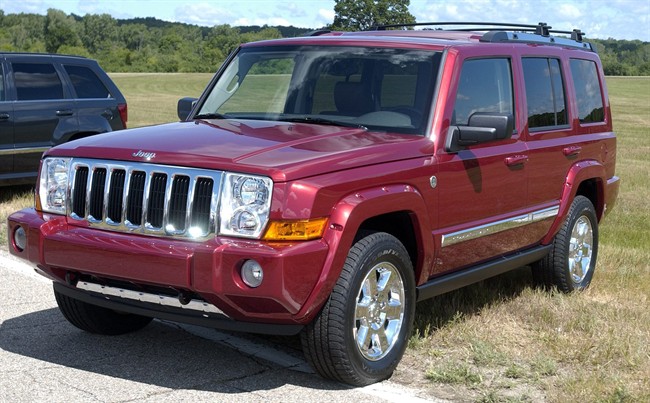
x=295 y=230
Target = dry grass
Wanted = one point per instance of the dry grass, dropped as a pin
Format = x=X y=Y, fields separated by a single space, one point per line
x=502 y=339
x=152 y=97
x=12 y=199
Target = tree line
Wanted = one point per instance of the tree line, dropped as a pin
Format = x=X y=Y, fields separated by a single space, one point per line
x=152 y=45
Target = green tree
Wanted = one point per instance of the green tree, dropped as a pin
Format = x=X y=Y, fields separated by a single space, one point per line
x=359 y=15
x=60 y=30
x=100 y=32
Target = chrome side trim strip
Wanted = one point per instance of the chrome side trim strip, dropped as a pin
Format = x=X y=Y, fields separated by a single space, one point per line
x=498 y=226
x=27 y=150
x=193 y=305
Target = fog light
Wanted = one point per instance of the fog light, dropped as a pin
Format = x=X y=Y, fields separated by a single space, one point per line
x=252 y=273
x=20 y=239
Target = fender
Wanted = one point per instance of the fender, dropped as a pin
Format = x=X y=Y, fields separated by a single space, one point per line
x=91 y=124
x=345 y=220
x=578 y=173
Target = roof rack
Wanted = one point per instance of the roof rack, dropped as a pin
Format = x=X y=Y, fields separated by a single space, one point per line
x=502 y=32
x=317 y=32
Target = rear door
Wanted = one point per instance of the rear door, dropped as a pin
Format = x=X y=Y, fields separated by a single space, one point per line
x=560 y=133
x=96 y=107
x=43 y=111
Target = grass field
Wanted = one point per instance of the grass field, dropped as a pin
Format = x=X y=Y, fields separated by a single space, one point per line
x=502 y=339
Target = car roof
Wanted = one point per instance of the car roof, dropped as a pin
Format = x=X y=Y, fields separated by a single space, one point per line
x=48 y=55
x=479 y=33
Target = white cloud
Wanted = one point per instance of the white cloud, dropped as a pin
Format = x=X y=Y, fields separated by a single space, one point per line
x=26 y=6
x=272 y=21
x=570 y=11
x=325 y=17
x=620 y=19
x=203 y=14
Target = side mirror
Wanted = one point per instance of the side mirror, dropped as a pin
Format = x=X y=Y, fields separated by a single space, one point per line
x=185 y=106
x=482 y=127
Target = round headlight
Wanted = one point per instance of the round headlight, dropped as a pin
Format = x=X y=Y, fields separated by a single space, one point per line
x=245 y=205
x=245 y=220
x=53 y=185
x=250 y=191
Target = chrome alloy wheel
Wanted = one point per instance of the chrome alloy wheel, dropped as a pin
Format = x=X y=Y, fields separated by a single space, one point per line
x=379 y=313
x=580 y=249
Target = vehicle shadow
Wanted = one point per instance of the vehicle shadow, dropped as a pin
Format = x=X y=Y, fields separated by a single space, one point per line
x=161 y=354
x=437 y=312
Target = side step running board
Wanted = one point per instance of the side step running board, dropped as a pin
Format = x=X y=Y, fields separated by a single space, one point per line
x=462 y=278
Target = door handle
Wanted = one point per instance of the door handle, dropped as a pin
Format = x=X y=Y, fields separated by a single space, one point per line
x=4 y=116
x=64 y=112
x=516 y=160
x=571 y=151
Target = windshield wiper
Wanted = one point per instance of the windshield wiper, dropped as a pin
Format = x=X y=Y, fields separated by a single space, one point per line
x=321 y=121
x=212 y=115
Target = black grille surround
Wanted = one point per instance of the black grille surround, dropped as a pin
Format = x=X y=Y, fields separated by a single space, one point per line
x=147 y=199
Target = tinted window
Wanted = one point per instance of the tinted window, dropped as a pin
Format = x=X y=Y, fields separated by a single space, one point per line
x=485 y=86
x=588 y=91
x=37 y=81
x=86 y=83
x=544 y=92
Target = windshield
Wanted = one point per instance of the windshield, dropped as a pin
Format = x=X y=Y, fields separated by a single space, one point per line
x=377 y=88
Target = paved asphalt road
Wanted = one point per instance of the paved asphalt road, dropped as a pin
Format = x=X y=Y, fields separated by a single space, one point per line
x=44 y=358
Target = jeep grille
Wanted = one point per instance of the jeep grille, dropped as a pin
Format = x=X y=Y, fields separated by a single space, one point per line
x=148 y=199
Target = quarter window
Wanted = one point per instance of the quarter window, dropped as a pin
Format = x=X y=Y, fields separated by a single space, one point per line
x=544 y=92
x=588 y=92
x=86 y=83
x=485 y=86
x=37 y=81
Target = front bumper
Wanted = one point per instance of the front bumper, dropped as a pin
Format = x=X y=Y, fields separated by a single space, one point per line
x=208 y=271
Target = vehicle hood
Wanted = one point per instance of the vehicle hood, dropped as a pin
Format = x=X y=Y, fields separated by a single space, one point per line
x=284 y=151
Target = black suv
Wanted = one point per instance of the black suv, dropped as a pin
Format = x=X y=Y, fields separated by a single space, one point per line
x=46 y=100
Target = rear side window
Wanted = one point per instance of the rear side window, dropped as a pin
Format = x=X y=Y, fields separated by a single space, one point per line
x=86 y=83
x=37 y=81
x=485 y=86
x=544 y=92
x=588 y=92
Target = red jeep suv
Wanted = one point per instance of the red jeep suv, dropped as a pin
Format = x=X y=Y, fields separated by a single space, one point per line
x=325 y=184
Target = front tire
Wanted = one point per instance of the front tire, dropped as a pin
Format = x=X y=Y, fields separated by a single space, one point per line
x=98 y=320
x=362 y=331
x=571 y=263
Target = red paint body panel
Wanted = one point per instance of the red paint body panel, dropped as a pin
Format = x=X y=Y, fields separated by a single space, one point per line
x=350 y=176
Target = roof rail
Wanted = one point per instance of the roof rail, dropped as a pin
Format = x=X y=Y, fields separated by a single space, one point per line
x=317 y=32
x=500 y=32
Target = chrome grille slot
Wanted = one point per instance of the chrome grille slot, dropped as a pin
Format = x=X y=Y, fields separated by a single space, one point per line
x=178 y=203
x=148 y=199
x=79 y=190
x=135 y=198
x=156 y=204
x=115 y=197
x=96 y=205
x=201 y=203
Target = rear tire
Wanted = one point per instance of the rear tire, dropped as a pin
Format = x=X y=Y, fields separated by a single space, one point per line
x=571 y=263
x=362 y=331
x=98 y=320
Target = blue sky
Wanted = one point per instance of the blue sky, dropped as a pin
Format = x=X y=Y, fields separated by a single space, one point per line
x=619 y=19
